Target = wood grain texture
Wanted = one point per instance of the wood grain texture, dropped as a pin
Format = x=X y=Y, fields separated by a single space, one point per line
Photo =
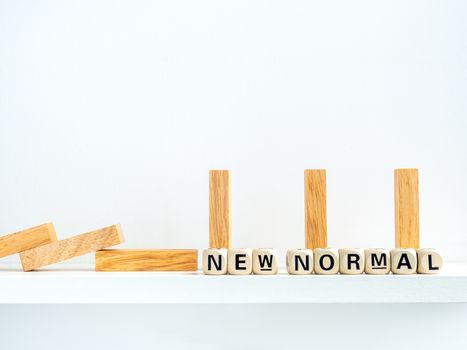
x=219 y=209
x=315 y=209
x=69 y=248
x=147 y=260
x=407 y=208
x=26 y=239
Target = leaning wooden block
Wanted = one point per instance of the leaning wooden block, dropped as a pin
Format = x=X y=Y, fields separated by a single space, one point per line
x=429 y=261
x=27 y=239
x=147 y=260
x=69 y=248
x=300 y=261
x=377 y=261
x=326 y=261
x=240 y=261
x=403 y=261
x=265 y=261
x=351 y=261
x=215 y=261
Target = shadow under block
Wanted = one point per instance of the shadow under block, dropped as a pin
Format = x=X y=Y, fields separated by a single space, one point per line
x=147 y=260
x=315 y=209
x=71 y=247
x=219 y=209
x=406 y=208
x=27 y=239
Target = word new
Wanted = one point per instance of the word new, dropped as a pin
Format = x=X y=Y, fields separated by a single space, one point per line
x=322 y=261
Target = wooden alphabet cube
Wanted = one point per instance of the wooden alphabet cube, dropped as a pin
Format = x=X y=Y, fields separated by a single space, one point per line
x=429 y=261
x=403 y=261
x=326 y=261
x=215 y=261
x=265 y=261
x=377 y=261
x=351 y=261
x=240 y=261
x=300 y=261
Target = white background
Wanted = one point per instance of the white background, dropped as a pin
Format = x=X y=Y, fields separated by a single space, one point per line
x=113 y=112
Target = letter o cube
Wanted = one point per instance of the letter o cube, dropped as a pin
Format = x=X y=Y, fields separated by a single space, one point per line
x=326 y=261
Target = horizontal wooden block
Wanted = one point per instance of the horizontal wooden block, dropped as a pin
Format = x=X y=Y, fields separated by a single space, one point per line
x=69 y=248
x=147 y=260
x=30 y=238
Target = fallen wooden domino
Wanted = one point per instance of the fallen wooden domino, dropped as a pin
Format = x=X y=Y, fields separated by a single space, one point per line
x=71 y=247
x=147 y=260
x=27 y=239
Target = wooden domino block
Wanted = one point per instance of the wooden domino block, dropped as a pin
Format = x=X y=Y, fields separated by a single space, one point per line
x=315 y=209
x=406 y=207
x=219 y=209
x=72 y=247
x=27 y=239
x=147 y=260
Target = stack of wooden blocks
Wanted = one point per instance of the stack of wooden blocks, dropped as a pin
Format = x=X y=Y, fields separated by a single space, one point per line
x=38 y=246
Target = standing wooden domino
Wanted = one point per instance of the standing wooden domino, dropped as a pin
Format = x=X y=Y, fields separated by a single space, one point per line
x=69 y=248
x=27 y=239
x=147 y=260
x=326 y=261
x=406 y=208
x=315 y=209
x=219 y=209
